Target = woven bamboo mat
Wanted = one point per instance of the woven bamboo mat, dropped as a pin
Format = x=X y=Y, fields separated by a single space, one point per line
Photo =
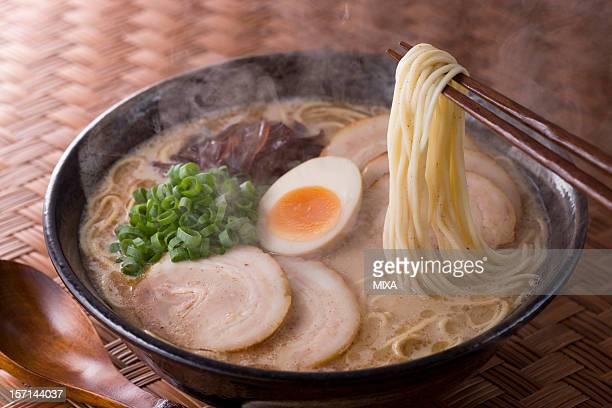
x=62 y=62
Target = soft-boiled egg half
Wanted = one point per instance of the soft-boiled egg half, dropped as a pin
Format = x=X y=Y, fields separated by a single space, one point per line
x=310 y=207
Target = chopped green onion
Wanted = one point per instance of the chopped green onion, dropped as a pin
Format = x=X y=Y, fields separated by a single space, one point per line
x=152 y=208
x=206 y=217
x=140 y=195
x=190 y=187
x=225 y=239
x=140 y=209
x=193 y=253
x=157 y=243
x=173 y=175
x=194 y=215
x=124 y=243
x=139 y=243
x=247 y=233
x=125 y=231
x=169 y=236
x=167 y=217
x=114 y=247
x=174 y=243
x=149 y=228
x=244 y=204
x=155 y=258
x=217 y=249
x=188 y=220
x=190 y=238
x=188 y=169
x=178 y=254
x=234 y=223
x=135 y=253
x=248 y=188
x=185 y=204
x=131 y=267
x=169 y=203
x=135 y=219
x=205 y=247
x=209 y=230
x=221 y=208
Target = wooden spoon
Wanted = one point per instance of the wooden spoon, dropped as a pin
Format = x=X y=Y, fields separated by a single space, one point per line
x=46 y=339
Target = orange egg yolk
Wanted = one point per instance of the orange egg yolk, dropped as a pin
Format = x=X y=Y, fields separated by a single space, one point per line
x=305 y=213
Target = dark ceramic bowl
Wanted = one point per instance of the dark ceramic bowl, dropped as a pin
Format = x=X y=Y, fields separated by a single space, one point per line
x=361 y=78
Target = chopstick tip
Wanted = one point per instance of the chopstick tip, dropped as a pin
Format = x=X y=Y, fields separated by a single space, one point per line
x=394 y=54
x=405 y=45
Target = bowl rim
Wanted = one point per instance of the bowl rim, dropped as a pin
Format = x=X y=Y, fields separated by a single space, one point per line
x=152 y=344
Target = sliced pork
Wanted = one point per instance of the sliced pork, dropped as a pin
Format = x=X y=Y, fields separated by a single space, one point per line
x=374 y=170
x=323 y=320
x=360 y=141
x=495 y=200
x=485 y=166
x=491 y=209
x=222 y=303
x=365 y=139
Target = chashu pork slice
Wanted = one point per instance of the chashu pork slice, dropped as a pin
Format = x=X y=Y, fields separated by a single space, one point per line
x=486 y=166
x=321 y=324
x=324 y=318
x=494 y=198
x=492 y=211
x=475 y=162
x=360 y=141
x=222 y=303
x=374 y=170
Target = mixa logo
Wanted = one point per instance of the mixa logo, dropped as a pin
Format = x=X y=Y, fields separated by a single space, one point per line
x=384 y=285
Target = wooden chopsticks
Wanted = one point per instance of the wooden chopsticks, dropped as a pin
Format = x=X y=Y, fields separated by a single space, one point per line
x=550 y=159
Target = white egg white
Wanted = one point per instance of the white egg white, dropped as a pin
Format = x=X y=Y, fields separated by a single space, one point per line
x=337 y=174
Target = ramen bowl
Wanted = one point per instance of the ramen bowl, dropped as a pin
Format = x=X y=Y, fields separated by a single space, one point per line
x=363 y=79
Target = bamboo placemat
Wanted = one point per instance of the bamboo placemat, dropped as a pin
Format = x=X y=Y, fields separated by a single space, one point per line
x=62 y=62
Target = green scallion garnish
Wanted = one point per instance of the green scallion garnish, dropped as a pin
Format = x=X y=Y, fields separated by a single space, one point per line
x=192 y=216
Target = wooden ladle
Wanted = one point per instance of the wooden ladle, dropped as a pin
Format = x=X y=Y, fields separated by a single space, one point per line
x=46 y=339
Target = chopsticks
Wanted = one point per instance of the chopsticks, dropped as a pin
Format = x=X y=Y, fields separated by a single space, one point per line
x=548 y=158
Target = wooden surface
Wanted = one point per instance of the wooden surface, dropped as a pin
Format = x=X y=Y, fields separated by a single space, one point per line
x=63 y=62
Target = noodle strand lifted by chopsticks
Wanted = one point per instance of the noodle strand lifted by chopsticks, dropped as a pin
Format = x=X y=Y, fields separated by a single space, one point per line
x=428 y=196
